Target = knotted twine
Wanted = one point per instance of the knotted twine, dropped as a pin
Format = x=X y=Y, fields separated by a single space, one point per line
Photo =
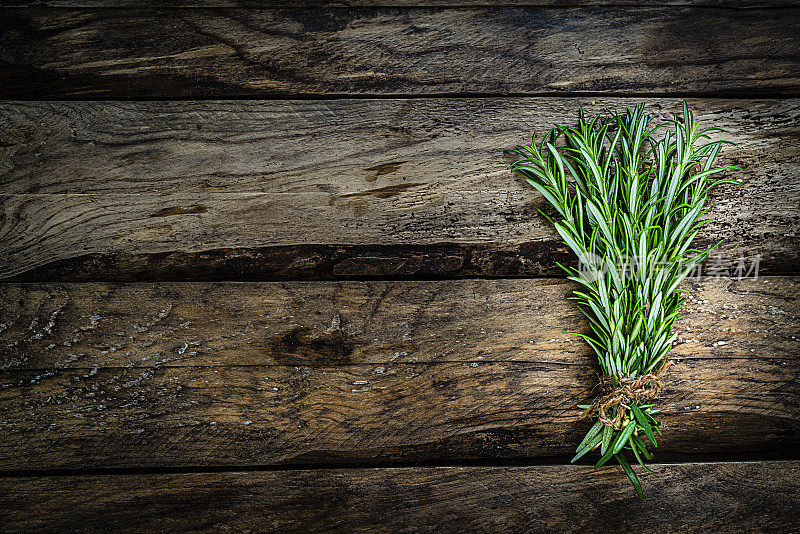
x=627 y=390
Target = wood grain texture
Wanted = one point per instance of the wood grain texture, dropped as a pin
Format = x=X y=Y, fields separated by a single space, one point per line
x=334 y=189
x=220 y=376
x=174 y=375
x=263 y=4
x=712 y=497
x=342 y=147
x=82 y=326
x=121 y=53
x=279 y=415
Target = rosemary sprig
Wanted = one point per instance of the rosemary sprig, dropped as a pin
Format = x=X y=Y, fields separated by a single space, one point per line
x=629 y=196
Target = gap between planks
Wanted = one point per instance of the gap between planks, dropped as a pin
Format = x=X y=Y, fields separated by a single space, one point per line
x=786 y=454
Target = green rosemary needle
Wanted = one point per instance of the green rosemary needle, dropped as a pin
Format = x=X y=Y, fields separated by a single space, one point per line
x=629 y=194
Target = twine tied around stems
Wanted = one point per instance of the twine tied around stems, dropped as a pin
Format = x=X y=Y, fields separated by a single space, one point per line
x=626 y=390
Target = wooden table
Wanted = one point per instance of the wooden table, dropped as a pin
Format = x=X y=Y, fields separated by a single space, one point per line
x=264 y=269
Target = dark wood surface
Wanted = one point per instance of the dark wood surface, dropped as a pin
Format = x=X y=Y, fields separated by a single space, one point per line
x=712 y=497
x=81 y=326
x=342 y=147
x=123 y=53
x=327 y=415
x=306 y=4
x=236 y=190
x=403 y=371
x=357 y=372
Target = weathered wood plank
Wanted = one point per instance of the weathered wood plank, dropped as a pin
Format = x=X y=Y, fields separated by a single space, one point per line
x=393 y=188
x=262 y=4
x=81 y=326
x=121 y=53
x=362 y=373
x=342 y=147
x=709 y=497
x=280 y=415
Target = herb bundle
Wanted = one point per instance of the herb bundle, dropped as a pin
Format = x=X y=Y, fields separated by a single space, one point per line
x=629 y=195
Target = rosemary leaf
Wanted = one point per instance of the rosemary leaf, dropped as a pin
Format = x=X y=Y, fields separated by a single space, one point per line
x=629 y=194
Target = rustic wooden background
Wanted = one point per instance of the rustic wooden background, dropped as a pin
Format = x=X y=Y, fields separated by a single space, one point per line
x=263 y=267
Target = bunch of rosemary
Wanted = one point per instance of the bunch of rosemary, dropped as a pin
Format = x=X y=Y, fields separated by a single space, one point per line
x=629 y=196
